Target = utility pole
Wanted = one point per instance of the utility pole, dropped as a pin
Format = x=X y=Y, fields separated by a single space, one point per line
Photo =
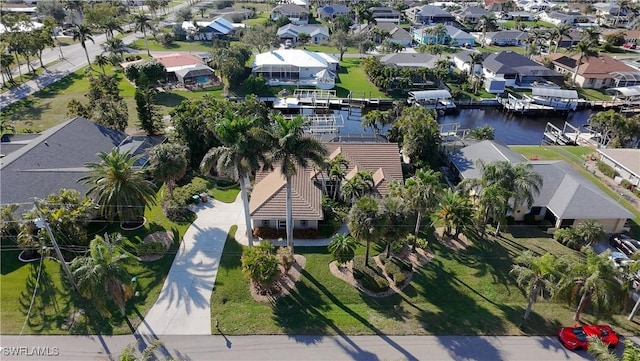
x=55 y=246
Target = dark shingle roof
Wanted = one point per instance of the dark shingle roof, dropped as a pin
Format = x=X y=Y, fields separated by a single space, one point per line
x=510 y=62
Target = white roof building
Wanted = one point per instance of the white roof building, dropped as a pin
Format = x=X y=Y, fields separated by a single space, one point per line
x=297 y=67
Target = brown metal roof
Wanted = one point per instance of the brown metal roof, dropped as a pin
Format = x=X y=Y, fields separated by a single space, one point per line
x=268 y=198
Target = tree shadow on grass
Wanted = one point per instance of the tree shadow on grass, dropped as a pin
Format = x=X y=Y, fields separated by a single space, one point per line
x=169 y=99
x=45 y=313
x=25 y=109
x=59 y=86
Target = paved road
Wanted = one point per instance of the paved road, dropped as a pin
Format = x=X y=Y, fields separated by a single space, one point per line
x=183 y=306
x=369 y=348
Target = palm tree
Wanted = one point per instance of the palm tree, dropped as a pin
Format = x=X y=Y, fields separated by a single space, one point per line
x=292 y=149
x=242 y=151
x=102 y=274
x=602 y=351
x=536 y=274
x=474 y=59
x=395 y=210
x=101 y=61
x=594 y=279
x=117 y=187
x=366 y=222
x=114 y=46
x=260 y=265
x=83 y=33
x=591 y=231
x=143 y=23
x=585 y=49
x=454 y=211
x=486 y=22
x=337 y=169
x=376 y=120
x=359 y=185
x=169 y=164
x=439 y=31
x=342 y=247
x=559 y=31
x=111 y=25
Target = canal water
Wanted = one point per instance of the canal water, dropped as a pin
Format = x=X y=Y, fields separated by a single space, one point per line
x=511 y=129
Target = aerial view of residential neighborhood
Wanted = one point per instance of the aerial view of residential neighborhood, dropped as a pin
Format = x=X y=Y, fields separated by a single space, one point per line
x=320 y=180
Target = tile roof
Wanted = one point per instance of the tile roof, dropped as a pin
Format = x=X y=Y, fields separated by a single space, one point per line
x=177 y=60
x=268 y=198
x=596 y=67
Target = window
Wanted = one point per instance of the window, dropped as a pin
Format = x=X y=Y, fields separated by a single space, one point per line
x=304 y=223
x=282 y=224
x=266 y=223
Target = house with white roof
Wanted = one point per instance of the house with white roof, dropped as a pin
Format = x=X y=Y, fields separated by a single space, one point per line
x=297 y=67
x=318 y=33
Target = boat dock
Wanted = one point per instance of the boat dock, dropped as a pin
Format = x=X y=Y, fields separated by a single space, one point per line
x=568 y=135
x=522 y=106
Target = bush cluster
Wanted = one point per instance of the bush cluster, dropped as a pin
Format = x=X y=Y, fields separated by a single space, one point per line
x=395 y=272
x=370 y=277
x=150 y=249
x=627 y=185
x=569 y=237
x=285 y=257
x=606 y=169
x=175 y=208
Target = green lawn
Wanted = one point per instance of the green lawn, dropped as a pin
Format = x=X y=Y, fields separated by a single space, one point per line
x=458 y=293
x=494 y=49
x=200 y=46
x=54 y=303
x=593 y=94
x=329 y=49
x=353 y=79
x=510 y=24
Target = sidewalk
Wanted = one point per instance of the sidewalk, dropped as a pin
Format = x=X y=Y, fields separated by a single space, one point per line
x=183 y=306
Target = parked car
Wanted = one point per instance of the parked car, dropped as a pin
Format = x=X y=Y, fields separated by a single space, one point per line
x=625 y=244
x=620 y=260
x=577 y=338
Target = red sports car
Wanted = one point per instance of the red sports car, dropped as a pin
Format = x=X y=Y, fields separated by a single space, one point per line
x=577 y=338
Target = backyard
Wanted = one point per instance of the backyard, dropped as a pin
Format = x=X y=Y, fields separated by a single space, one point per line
x=467 y=292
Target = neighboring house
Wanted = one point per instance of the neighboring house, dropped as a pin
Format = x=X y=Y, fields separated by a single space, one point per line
x=536 y=5
x=41 y=164
x=566 y=198
x=219 y=28
x=458 y=37
x=517 y=70
x=630 y=36
x=462 y=61
x=268 y=197
x=318 y=33
x=298 y=15
x=625 y=161
x=297 y=67
x=453 y=36
x=596 y=72
x=186 y=69
x=497 y=5
x=410 y=60
x=396 y=33
x=521 y=15
x=332 y=11
x=557 y=18
x=470 y=14
x=428 y=15
x=571 y=39
x=610 y=14
x=504 y=38
x=383 y=14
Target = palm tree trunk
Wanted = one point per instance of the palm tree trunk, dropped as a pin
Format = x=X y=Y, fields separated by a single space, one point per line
x=18 y=61
x=416 y=231
x=366 y=254
x=581 y=305
x=575 y=72
x=289 y=224
x=146 y=41
x=245 y=203
x=634 y=310
x=532 y=299
x=86 y=53
x=558 y=44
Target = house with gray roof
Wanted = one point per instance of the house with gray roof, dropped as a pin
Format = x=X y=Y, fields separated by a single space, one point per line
x=298 y=15
x=55 y=159
x=626 y=163
x=318 y=33
x=566 y=198
x=395 y=33
x=504 y=38
x=470 y=14
x=428 y=15
x=385 y=14
x=517 y=70
x=410 y=60
x=332 y=11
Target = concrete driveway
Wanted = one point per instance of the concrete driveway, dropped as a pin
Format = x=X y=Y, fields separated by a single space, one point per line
x=183 y=306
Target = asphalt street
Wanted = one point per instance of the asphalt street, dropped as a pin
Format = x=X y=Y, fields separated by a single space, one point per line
x=218 y=347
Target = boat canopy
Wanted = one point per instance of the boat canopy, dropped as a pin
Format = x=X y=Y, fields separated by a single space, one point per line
x=625 y=92
x=554 y=93
x=430 y=94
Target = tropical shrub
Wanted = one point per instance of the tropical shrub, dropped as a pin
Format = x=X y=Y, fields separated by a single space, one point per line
x=606 y=169
x=272 y=233
x=625 y=184
x=285 y=257
x=150 y=249
x=568 y=237
x=260 y=265
x=370 y=277
x=342 y=247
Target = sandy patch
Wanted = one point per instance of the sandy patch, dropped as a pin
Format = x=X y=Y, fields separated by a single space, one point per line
x=164 y=237
x=283 y=284
x=459 y=244
x=345 y=273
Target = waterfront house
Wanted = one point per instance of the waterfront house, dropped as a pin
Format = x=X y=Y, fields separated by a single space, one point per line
x=296 y=67
x=36 y=165
x=610 y=14
x=297 y=15
x=519 y=15
x=626 y=163
x=428 y=15
x=318 y=33
x=218 y=28
x=410 y=60
x=384 y=14
x=395 y=33
x=566 y=198
x=596 y=72
x=267 y=205
x=557 y=18
x=458 y=37
x=462 y=61
x=470 y=14
x=332 y=11
x=518 y=70
x=504 y=38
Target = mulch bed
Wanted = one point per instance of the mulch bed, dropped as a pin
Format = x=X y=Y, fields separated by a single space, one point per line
x=164 y=237
x=283 y=285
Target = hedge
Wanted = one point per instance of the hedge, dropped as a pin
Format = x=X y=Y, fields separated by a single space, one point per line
x=152 y=248
x=370 y=277
x=272 y=233
x=606 y=169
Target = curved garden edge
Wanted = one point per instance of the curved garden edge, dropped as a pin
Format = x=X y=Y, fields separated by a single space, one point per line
x=284 y=284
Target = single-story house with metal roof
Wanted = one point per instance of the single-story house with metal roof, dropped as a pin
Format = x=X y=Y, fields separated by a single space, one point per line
x=625 y=161
x=219 y=27
x=297 y=67
x=318 y=33
x=566 y=198
x=55 y=159
x=410 y=60
x=517 y=70
x=267 y=205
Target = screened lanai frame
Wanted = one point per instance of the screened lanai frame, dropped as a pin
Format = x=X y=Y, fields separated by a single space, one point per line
x=282 y=72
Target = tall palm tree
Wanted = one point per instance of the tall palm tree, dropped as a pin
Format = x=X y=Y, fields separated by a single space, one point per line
x=439 y=31
x=474 y=59
x=110 y=26
x=242 y=151
x=82 y=33
x=292 y=149
x=454 y=211
x=559 y=31
x=487 y=22
x=102 y=274
x=114 y=46
x=169 y=164
x=337 y=171
x=376 y=120
x=118 y=187
x=585 y=49
x=395 y=210
x=535 y=274
x=594 y=280
x=366 y=222
x=101 y=61
x=143 y=23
